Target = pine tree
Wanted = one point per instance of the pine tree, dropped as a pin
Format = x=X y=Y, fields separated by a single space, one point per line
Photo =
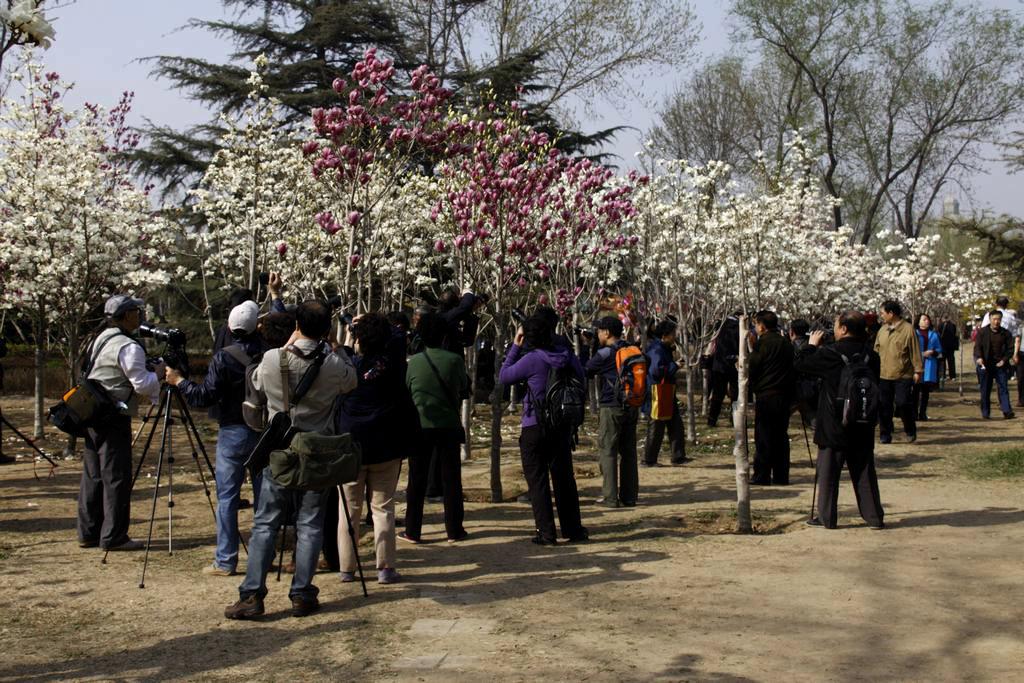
x=309 y=43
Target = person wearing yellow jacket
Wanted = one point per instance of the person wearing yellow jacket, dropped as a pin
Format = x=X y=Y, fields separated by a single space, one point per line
x=901 y=368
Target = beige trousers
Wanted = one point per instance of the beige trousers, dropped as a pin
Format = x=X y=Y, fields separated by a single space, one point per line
x=381 y=480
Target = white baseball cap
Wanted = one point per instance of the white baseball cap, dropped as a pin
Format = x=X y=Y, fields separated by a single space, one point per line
x=243 y=317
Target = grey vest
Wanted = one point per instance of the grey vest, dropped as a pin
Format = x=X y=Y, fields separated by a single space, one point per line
x=106 y=369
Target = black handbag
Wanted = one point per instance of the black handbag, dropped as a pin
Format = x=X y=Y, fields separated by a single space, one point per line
x=86 y=404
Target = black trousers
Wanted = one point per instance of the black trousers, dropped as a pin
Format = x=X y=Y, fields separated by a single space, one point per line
x=860 y=462
x=896 y=396
x=722 y=384
x=442 y=446
x=919 y=399
x=656 y=433
x=105 y=491
x=949 y=357
x=541 y=455
x=771 y=454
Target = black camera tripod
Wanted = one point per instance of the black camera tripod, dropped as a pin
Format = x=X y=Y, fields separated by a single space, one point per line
x=5 y=422
x=169 y=395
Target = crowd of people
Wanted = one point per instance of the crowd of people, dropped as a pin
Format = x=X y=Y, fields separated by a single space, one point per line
x=396 y=386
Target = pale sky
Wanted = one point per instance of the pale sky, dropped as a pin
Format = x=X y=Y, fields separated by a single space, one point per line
x=99 y=43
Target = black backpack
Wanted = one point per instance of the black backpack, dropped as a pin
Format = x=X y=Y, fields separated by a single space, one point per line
x=857 y=395
x=563 y=405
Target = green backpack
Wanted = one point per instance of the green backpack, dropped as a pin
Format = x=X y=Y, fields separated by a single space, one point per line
x=315 y=462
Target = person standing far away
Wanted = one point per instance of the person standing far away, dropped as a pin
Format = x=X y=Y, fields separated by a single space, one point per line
x=724 y=378
x=772 y=381
x=931 y=354
x=1008 y=316
x=118 y=364
x=313 y=414
x=949 y=338
x=901 y=367
x=545 y=447
x=662 y=373
x=993 y=350
x=852 y=443
x=616 y=422
x=1018 y=364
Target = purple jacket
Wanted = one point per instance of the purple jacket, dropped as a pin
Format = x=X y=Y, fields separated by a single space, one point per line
x=533 y=367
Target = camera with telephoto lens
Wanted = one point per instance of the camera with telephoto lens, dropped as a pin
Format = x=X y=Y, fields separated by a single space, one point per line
x=174 y=354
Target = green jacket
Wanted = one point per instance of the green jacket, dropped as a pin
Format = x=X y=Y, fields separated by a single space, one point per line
x=438 y=403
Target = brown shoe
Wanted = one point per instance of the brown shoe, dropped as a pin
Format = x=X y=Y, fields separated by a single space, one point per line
x=250 y=608
x=214 y=570
x=302 y=607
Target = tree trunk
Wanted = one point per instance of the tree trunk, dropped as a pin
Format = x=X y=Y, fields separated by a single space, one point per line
x=691 y=416
x=40 y=375
x=467 y=405
x=739 y=418
x=499 y=357
x=705 y=387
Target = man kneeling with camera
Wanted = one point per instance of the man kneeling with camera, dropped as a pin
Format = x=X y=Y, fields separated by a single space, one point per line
x=117 y=362
x=279 y=375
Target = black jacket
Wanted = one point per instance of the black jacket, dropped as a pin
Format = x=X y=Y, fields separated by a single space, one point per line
x=462 y=325
x=727 y=347
x=826 y=363
x=983 y=346
x=379 y=413
x=602 y=365
x=771 y=366
x=949 y=337
x=223 y=390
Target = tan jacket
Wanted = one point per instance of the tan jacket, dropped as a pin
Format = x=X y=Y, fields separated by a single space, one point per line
x=314 y=412
x=899 y=351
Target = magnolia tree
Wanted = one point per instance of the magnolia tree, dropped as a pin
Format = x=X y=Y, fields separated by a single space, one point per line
x=76 y=229
x=256 y=201
x=368 y=153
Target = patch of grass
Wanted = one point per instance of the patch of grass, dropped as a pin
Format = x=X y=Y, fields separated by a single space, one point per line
x=1004 y=464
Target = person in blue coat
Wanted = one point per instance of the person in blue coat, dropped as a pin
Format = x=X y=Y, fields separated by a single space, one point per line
x=931 y=351
x=662 y=371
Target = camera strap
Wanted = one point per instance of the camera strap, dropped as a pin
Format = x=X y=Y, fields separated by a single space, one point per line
x=308 y=377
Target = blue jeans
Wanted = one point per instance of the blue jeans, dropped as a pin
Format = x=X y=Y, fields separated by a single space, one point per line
x=276 y=506
x=234 y=442
x=985 y=378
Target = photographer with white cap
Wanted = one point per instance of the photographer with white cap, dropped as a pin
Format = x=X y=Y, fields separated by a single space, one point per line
x=118 y=364
x=224 y=387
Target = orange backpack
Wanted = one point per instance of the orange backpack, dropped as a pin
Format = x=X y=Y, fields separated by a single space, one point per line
x=631 y=364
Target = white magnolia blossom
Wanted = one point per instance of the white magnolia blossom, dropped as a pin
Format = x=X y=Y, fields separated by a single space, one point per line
x=75 y=228
x=25 y=17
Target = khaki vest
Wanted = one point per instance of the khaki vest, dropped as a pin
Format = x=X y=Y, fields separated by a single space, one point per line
x=106 y=370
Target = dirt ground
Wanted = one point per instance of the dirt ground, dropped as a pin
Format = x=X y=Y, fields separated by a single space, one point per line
x=662 y=592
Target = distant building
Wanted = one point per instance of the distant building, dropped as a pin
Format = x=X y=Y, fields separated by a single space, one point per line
x=950 y=207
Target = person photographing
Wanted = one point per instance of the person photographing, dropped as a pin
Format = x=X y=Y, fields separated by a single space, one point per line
x=313 y=413
x=117 y=362
x=845 y=422
x=224 y=388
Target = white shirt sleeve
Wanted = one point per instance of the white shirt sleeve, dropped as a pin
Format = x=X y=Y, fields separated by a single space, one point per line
x=132 y=359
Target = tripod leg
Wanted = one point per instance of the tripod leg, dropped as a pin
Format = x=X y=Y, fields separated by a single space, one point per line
x=170 y=483
x=145 y=421
x=193 y=440
x=284 y=540
x=28 y=441
x=149 y=439
x=814 y=492
x=164 y=437
x=355 y=542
